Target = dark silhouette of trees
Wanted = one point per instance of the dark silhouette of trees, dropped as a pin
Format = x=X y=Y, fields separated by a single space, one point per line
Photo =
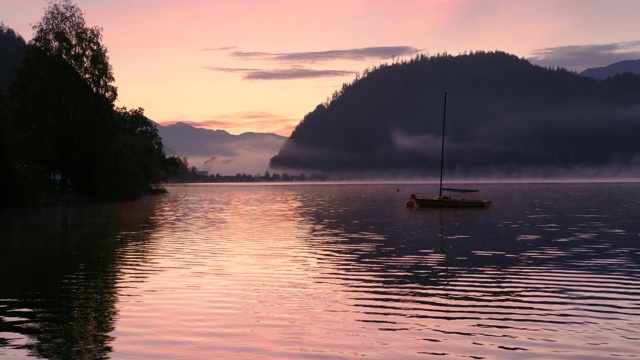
x=61 y=125
x=64 y=99
x=190 y=174
x=136 y=161
x=63 y=131
x=63 y=33
x=13 y=186
x=503 y=112
x=12 y=46
x=179 y=170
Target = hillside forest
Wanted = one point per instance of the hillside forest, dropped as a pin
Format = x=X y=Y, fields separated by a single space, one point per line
x=505 y=117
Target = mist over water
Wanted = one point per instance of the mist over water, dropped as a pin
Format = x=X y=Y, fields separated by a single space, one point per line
x=331 y=271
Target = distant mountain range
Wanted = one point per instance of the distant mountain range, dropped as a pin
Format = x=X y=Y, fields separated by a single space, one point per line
x=505 y=118
x=627 y=66
x=217 y=151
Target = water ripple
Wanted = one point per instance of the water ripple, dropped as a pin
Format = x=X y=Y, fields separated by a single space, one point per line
x=334 y=271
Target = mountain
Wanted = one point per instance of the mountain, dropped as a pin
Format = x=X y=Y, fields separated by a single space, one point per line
x=627 y=66
x=504 y=116
x=217 y=151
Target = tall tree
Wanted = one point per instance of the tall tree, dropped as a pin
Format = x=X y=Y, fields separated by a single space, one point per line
x=63 y=98
x=62 y=32
x=137 y=162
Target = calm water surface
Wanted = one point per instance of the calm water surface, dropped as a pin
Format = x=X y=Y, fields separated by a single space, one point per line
x=328 y=271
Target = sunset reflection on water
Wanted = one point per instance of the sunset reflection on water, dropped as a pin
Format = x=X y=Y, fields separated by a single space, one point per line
x=335 y=271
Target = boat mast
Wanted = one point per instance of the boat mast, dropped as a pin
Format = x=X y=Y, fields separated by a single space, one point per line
x=444 y=116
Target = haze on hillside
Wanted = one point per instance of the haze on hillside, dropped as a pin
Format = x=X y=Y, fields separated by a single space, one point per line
x=218 y=152
x=505 y=118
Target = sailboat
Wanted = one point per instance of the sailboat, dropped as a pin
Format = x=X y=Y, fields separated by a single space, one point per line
x=448 y=200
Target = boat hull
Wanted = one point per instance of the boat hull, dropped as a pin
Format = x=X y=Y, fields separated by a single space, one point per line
x=448 y=202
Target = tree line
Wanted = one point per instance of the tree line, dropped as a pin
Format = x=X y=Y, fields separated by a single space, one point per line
x=62 y=136
x=190 y=174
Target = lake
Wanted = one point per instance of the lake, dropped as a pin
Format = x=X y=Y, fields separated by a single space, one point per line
x=326 y=271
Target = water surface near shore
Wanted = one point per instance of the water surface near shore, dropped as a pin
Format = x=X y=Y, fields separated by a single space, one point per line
x=326 y=271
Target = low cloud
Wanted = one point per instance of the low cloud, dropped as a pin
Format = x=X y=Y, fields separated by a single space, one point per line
x=231 y=70
x=359 y=54
x=295 y=73
x=223 y=48
x=428 y=144
x=253 y=162
x=283 y=74
x=580 y=57
x=294 y=59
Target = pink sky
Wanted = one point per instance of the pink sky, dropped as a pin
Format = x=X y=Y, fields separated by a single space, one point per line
x=258 y=65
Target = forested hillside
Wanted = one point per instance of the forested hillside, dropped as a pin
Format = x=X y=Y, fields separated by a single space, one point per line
x=503 y=114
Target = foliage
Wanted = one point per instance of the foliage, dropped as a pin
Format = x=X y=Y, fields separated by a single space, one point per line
x=12 y=45
x=186 y=174
x=62 y=32
x=60 y=123
x=180 y=171
x=137 y=161
x=12 y=190
x=61 y=131
x=502 y=112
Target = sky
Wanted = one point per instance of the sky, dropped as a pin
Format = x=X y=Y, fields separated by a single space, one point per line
x=262 y=65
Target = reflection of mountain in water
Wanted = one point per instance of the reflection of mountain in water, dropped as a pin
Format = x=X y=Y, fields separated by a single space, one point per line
x=60 y=270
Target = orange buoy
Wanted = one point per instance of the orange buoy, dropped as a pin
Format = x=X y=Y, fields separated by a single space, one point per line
x=410 y=203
